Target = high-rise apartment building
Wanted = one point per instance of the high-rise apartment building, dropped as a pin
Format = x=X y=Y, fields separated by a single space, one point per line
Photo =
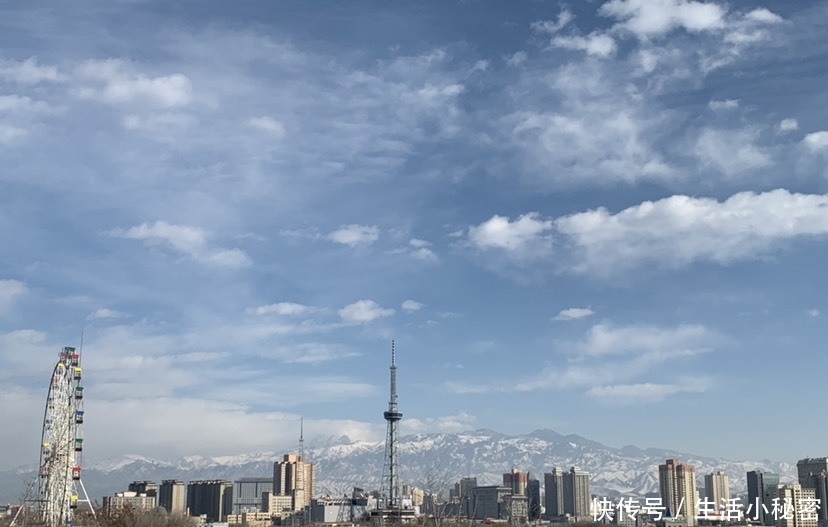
x=517 y=481
x=677 y=486
x=294 y=477
x=172 y=495
x=554 y=497
x=813 y=474
x=533 y=490
x=761 y=487
x=717 y=490
x=795 y=514
x=567 y=493
x=756 y=496
x=213 y=499
x=577 y=497
x=248 y=493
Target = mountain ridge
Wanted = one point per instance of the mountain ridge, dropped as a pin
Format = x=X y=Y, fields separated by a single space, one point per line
x=435 y=457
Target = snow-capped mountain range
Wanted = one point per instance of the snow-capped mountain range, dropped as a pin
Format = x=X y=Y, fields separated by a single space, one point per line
x=432 y=461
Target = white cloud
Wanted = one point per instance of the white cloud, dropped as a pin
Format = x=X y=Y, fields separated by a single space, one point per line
x=420 y=249
x=447 y=424
x=159 y=123
x=10 y=292
x=732 y=152
x=9 y=133
x=191 y=241
x=410 y=306
x=597 y=132
x=268 y=124
x=517 y=58
x=608 y=355
x=596 y=44
x=654 y=18
x=604 y=340
x=813 y=313
x=364 y=311
x=574 y=313
x=27 y=72
x=21 y=103
x=816 y=141
x=727 y=104
x=548 y=26
x=104 y=313
x=680 y=230
x=522 y=235
x=353 y=235
x=282 y=309
x=648 y=392
x=113 y=82
x=764 y=16
x=788 y=125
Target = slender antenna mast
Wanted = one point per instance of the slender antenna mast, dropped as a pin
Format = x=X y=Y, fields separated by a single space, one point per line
x=302 y=438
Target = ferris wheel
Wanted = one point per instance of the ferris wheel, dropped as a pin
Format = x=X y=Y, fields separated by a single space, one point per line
x=59 y=478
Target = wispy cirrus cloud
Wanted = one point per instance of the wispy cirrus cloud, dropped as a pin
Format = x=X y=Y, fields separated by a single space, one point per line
x=183 y=239
x=104 y=313
x=649 y=392
x=10 y=292
x=607 y=358
x=282 y=309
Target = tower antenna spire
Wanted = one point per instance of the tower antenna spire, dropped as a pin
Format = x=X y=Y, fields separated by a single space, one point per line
x=392 y=417
x=302 y=438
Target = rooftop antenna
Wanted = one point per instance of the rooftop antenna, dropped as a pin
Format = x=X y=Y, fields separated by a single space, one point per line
x=302 y=438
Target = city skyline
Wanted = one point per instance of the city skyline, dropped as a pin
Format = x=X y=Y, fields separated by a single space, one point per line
x=619 y=204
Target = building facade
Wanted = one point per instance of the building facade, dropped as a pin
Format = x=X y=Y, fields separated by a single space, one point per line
x=144 y=487
x=517 y=481
x=118 y=501
x=577 y=497
x=717 y=490
x=294 y=477
x=213 y=498
x=488 y=502
x=791 y=511
x=172 y=496
x=534 y=499
x=248 y=494
x=813 y=474
x=554 y=497
x=677 y=487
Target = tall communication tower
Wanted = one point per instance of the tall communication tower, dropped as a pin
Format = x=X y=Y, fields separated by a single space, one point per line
x=390 y=480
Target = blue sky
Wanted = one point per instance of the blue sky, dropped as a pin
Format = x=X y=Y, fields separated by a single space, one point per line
x=604 y=218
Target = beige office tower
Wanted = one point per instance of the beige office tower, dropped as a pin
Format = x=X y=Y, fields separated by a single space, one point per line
x=577 y=498
x=677 y=486
x=717 y=490
x=796 y=506
x=294 y=477
x=172 y=496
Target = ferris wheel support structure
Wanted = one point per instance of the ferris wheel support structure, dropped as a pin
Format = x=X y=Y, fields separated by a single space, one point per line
x=59 y=486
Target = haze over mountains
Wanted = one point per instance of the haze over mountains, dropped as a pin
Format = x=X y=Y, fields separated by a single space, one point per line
x=443 y=458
